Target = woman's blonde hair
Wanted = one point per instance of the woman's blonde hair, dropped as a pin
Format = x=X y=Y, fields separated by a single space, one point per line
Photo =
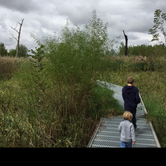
x=127 y=115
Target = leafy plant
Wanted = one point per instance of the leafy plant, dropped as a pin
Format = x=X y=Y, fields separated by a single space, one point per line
x=3 y=51
x=159 y=22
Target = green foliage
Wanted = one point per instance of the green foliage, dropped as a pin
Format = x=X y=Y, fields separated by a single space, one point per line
x=159 y=22
x=144 y=50
x=105 y=104
x=3 y=51
x=156 y=114
x=23 y=51
x=128 y=64
x=74 y=61
x=12 y=52
x=113 y=65
x=80 y=52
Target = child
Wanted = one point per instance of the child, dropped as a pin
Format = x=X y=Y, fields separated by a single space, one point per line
x=131 y=98
x=127 y=133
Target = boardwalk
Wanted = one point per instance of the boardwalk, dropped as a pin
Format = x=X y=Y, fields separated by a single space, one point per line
x=107 y=134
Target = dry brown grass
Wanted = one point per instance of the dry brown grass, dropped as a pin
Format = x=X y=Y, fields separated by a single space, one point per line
x=8 y=64
x=133 y=58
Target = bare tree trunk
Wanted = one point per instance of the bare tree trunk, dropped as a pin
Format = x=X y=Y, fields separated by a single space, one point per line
x=18 y=40
x=126 y=39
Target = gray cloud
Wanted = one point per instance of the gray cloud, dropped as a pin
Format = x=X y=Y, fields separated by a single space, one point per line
x=19 y=5
x=46 y=17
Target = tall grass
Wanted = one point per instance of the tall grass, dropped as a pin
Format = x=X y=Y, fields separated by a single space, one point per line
x=133 y=63
x=27 y=122
x=157 y=115
x=51 y=101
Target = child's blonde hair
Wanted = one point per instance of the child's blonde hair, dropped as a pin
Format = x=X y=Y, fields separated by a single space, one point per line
x=130 y=80
x=127 y=115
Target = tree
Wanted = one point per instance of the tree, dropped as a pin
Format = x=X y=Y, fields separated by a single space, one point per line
x=23 y=51
x=98 y=34
x=3 y=51
x=18 y=40
x=12 y=52
x=159 y=22
x=126 y=39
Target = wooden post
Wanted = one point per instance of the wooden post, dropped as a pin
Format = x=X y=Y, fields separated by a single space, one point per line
x=126 y=39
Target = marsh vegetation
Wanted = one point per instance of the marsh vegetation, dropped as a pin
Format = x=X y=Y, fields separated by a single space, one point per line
x=52 y=99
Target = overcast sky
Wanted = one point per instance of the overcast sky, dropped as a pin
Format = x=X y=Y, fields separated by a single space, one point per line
x=44 y=17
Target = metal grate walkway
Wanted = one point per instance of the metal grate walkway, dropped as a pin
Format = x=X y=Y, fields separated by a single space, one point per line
x=107 y=134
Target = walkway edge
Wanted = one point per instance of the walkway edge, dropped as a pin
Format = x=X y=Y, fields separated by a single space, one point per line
x=94 y=133
x=151 y=126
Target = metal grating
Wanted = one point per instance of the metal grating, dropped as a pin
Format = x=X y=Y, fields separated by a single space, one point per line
x=107 y=134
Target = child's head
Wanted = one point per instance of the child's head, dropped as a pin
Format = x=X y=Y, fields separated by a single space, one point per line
x=130 y=80
x=127 y=115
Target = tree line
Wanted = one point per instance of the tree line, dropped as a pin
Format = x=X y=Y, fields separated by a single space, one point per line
x=23 y=51
x=158 y=27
